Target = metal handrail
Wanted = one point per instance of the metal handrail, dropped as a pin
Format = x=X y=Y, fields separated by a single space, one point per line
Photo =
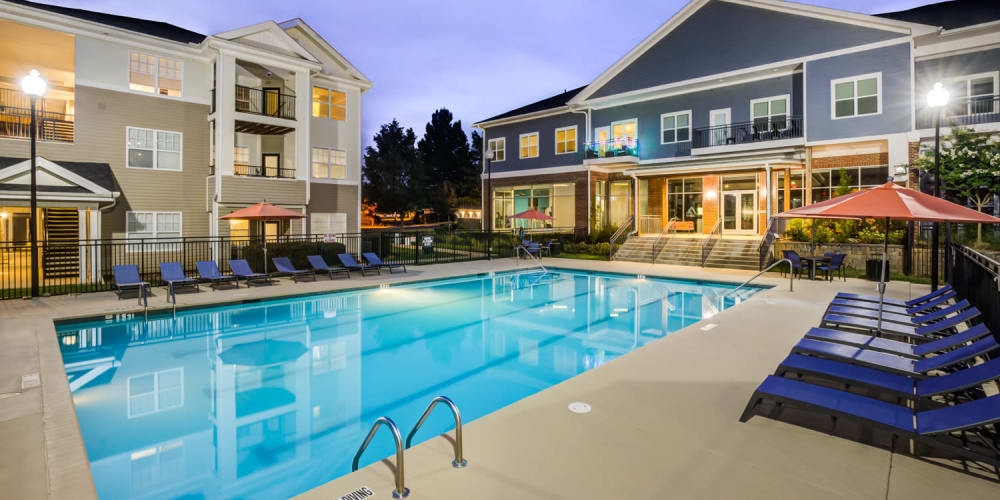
x=401 y=490
x=538 y=261
x=706 y=247
x=791 y=277
x=618 y=234
x=765 y=244
x=459 y=461
x=666 y=232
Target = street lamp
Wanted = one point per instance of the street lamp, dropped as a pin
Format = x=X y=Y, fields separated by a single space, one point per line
x=937 y=98
x=489 y=197
x=34 y=86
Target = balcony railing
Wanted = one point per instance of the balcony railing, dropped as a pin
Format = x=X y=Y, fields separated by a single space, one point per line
x=52 y=126
x=265 y=102
x=625 y=146
x=261 y=171
x=963 y=111
x=760 y=130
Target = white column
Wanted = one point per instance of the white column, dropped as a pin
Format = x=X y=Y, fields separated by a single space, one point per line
x=95 y=254
x=303 y=101
x=81 y=224
x=225 y=110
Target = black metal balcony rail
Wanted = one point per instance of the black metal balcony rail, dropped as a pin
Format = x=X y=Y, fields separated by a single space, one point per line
x=760 y=130
x=264 y=102
x=624 y=146
x=51 y=126
x=262 y=171
x=963 y=111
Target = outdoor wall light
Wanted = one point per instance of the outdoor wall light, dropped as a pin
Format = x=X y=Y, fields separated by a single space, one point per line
x=710 y=194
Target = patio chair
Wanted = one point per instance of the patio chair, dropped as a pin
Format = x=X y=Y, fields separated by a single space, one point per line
x=915 y=351
x=836 y=264
x=347 y=260
x=284 y=265
x=209 y=270
x=797 y=265
x=904 y=303
x=906 y=319
x=242 y=271
x=127 y=278
x=939 y=328
x=546 y=249
x=900 y=365
x=173 y=274
x=927 y=306
x=930 y=427
x=319 y=265
x=373 y=259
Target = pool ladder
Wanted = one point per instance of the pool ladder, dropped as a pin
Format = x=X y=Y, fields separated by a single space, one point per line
x=401 y=490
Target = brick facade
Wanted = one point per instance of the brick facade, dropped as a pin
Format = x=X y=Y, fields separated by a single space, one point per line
x=858 y=160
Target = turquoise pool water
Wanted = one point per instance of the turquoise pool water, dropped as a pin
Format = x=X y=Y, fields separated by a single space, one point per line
x=269 y=399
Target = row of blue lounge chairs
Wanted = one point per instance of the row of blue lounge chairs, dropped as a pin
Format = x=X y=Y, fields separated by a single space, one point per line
x=172 y=273
x=927 y=387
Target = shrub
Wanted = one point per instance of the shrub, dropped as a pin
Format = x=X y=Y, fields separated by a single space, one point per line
x=796 y=230
x=871 y=235
x=297 y=251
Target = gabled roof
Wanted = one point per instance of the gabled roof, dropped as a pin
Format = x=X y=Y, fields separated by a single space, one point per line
x=332 y=52
x=268 y=36
x=145 y=26
x=951 y=14
x=553 y=102
x=59 y=177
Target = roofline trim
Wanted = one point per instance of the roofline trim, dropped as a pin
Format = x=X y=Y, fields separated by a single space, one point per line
x=523 y=117
x=364 y=80
x=57 y=170
x=272 y=27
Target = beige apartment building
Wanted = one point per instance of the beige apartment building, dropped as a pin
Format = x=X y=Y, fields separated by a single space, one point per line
x=149 y=130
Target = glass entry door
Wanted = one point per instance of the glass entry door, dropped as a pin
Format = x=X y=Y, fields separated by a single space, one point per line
x=739 y=212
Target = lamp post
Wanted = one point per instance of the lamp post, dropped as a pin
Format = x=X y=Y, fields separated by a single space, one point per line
x=937 y=98
x=489 y=198
x=34 y=86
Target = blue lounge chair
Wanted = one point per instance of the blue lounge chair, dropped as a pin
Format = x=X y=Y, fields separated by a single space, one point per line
x=900 y=365
x=242 y=271
x=939 y=328
x=284 y=266
x=905 y=319
x=173 y=274
x=347 y=260
x=902 y=387
x=208 y=270
x=319 y=265
x=922 y=308
x=905 y=303
x=375 y=261
x=930 y=427
x=127 y=278
x=915 y=351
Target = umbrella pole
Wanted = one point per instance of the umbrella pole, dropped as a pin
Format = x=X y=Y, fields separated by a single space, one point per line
x=812 y=249
x=881 y=284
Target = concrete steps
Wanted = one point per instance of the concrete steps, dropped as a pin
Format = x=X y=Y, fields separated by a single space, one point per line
x=726 y=253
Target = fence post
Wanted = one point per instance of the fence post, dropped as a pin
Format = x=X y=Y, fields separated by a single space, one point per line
x=142 y=257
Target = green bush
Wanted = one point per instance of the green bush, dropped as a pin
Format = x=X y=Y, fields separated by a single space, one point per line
x=297 y=251
x=797 y=230
x=870 y=235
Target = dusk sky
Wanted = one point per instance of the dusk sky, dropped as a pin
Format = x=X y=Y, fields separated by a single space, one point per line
x=478 y=59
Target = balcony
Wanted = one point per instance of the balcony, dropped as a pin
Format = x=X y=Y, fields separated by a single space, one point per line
x=263 y=102
x=622 y=150
x=757 y=131
x=242 y=170
x=965 y=111
x=15 y=118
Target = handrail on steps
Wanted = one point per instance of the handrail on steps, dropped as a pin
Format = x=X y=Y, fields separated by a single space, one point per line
x=618 y=234
x=708 y=244
x=522 y=248
x=765 y=243
x=401 y=490
x=791 y=276
x=669 y=229
x=460 y=460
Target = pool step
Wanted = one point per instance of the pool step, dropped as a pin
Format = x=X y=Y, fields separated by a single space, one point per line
x=726 y=253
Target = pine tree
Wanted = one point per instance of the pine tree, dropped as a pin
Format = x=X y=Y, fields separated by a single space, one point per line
x=447 y=173
x=390 y=168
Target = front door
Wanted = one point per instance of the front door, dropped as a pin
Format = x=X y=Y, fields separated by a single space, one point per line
x=271 y=101
x=719 y=120
x=271 y=230
x=272 y=161
x=739 y=214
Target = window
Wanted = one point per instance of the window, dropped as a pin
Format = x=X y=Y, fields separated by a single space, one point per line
x=155 y=392
x=856 y=96
x=529 y=145
x=796 y=192
x=675 y=127
x=329 y=163
x=566 y=140
x=140 y=225
x=331 y=223
x=826 y=181
x=684 y=203
x=624 y=135
x=972 y=94
x=498 y=147
x=329 y=104
x=769 y=113
x=555 y=200
x=155 y=75
x=153 y=149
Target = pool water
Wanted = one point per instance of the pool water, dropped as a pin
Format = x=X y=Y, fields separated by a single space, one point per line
x=270 y=399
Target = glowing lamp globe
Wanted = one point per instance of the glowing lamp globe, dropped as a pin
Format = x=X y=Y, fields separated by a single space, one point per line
x=33 y=84
x=938 y=96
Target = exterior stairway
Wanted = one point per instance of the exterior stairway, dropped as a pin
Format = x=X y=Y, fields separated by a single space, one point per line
x=61 y=253
x=726 y=253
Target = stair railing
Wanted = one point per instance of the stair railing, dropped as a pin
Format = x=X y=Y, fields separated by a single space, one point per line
x=764 y=250
x=661 y=241
x=623 y=230
x=709 y=243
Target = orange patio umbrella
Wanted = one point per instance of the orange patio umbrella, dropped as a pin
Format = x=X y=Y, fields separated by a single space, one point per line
x=264 y=212
x=889 y=202
x=530 y=214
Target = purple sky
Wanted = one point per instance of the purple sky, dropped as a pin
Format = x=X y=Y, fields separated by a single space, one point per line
x=477 y=58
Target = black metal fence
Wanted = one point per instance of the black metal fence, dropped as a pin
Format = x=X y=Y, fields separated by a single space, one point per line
x=759 y=130
x=975 y=277
x=86 y=266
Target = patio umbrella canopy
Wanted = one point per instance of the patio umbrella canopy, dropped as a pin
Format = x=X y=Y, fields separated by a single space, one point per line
x=530 y=214
x=264 y=212
x=889 y=202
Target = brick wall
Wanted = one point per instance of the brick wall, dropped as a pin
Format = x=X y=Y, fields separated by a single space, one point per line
x=709 y=204
x=859 y=160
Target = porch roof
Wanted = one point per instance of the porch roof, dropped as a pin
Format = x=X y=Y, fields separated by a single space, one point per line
x=58 y=178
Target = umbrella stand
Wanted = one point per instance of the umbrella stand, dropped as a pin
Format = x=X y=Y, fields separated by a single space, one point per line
x=881 y=284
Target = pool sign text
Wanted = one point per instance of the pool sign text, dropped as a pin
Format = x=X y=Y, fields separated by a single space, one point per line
x=358 y=494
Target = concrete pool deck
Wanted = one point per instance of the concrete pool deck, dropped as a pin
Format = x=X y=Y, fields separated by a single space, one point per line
x=664 y=420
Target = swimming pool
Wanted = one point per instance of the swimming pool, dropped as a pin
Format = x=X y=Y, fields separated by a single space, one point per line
x=272 y=398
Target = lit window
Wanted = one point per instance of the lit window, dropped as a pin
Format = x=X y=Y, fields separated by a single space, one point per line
x=856 y=96
x=156 y=75
x=153 y=149
x=139 y=225
x=498 y=148
x=327 y=223
x=566 y=140
x=675 y=127
x=329 y=163
x=329 y=104
x=155 y=392
x=529 y=145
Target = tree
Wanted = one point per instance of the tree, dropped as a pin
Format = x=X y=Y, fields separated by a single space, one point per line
x=970 y=168
x=390 y=168
x=448 y=172
x=845 y=184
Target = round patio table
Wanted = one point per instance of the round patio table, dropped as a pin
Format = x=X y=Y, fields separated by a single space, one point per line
x=813 y=260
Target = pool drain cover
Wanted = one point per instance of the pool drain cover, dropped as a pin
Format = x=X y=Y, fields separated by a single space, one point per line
x=578 y=407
